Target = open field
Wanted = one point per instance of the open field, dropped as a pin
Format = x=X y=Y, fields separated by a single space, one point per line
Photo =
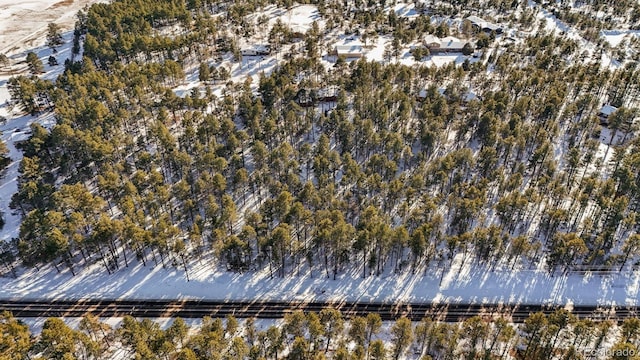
x=24 y=23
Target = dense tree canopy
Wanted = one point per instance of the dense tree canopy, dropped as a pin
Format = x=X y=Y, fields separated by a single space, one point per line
x=312 y=335
x=399 y=166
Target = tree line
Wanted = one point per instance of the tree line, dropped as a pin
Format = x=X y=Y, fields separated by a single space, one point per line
x=324 y=335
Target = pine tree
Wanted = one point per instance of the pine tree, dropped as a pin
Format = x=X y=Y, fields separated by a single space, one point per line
x=4 y=61
x=178 y=331
x=298 y=350
x=316 y=331
x=97 y=331
x=374 y=323
x=630 y=248
x=294 y=324
x=377 y=350
x=4 y=151
x=34 y=63
x=401 y=336
x=422 y=331
x=333 y=326
x=274 y=341
x=358 y=330
x=57 y=340
x=15 y=338
x=54 y=36
x=204 y=73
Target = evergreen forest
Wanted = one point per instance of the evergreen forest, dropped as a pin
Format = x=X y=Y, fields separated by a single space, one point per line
x=324 y=335
x=402 y=169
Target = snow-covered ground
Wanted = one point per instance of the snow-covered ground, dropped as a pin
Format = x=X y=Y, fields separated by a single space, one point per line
x=553 y=25
x=615 y=37
x=406 y=10
x=473 y=284
x=24 y=22
x=298 y=18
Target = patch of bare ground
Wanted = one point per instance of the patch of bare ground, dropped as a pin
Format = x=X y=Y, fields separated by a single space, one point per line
x=61 y=4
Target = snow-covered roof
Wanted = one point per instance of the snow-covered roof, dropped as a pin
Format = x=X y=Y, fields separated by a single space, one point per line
x=482 y=23
x=492 y=26
x=257 y=47
x=608 y=110
x=476 y=20
x=450 y=39
x=349 y=49
x=431 y=39
x=451 y=44
x=444 y=44
x=405 y=10
x=329 y=91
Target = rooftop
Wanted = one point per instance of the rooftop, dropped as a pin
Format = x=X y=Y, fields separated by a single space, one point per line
x=343 y=49
x=484 y=24
x=608 y=110
x=451 y=44
x=446 y=43
x=477 y=20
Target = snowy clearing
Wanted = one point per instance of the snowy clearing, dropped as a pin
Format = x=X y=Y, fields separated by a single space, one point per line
x=24 y=23
x=615 y=37
x=471 y=284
